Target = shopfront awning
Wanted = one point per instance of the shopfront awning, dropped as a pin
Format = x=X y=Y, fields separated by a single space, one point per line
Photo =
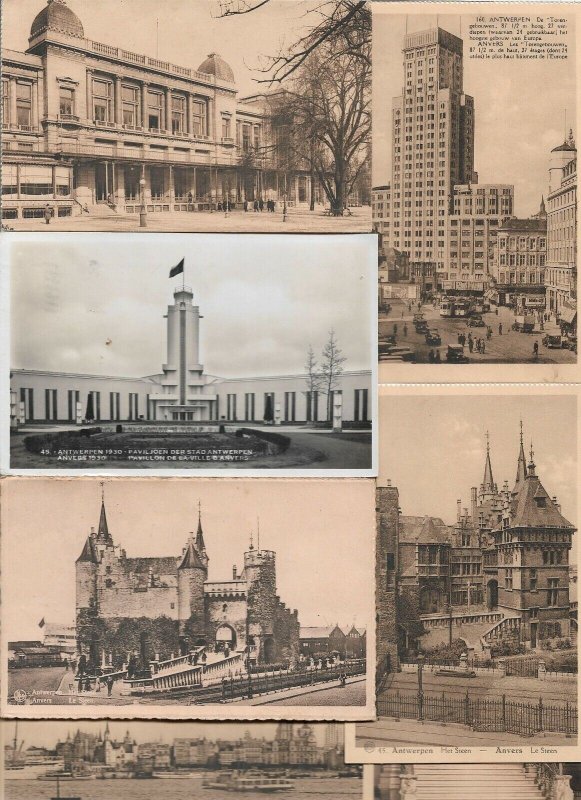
x=568 y=314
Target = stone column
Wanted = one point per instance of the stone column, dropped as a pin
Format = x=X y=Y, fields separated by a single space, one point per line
x=89 y=114
x=144 y=87
x=18 y=181
x=189 y=114
x=54 y=182
x=34 y=110
x=118 y=102
x=171 y=185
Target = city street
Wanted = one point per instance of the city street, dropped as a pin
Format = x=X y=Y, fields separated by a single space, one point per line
x=510 y=348
x=299 y=220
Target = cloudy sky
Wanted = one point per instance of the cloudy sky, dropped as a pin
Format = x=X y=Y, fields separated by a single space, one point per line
x=442 y=439
x=519 y=105
x=321 y=531
x=48 y=732
x=188 y=30
x=97 y=305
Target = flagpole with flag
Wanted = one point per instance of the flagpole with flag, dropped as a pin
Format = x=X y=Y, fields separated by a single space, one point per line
x=177 y=270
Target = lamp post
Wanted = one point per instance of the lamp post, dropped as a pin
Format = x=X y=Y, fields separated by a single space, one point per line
x=143 y=211
x=421 y=660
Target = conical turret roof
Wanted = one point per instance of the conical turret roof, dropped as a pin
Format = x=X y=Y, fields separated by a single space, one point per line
x=191 y=558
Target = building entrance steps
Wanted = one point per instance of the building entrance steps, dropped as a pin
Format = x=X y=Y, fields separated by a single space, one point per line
x=472 y=782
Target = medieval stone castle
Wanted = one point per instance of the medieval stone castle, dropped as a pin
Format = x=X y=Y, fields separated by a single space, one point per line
x=169 y=604
x=499 y=573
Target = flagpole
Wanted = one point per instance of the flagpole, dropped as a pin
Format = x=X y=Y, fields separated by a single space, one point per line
x=184 y=277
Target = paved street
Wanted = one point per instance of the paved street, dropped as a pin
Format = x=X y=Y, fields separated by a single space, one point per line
x=510 y=348
x=298 y=221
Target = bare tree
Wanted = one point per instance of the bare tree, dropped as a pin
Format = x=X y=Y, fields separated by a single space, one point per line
x=332 y=360
x=345 y=22
x=313 y=380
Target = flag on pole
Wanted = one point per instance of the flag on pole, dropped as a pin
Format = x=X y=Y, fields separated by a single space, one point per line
x=179 y=268
x=42 y=623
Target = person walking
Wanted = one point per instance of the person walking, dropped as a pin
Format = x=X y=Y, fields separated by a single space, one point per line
x=470 y=343
x=47 y=214
x=395 y=328
x=261 y=205
x=536 y=351
x=255 y=206
x=437 y=357
x=500 y=329
x=405 y=329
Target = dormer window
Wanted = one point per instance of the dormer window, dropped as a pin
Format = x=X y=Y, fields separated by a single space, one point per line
x=541 y=502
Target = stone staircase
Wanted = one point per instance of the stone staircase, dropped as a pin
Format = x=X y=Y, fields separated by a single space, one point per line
x=470 y=782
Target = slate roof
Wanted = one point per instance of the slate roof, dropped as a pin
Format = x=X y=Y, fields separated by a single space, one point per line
x=526 y=512
x=427 y=530
x=164 y=565
x=316 y=632
x=57 y=16
x=191 y=559
x=215 y=65
x=88 y=552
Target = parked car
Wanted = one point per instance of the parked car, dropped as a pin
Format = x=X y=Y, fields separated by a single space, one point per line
x=570 y=342
x=553 y=341
x=455 y=354
x=421 y=326
x=476 y=321
x=525 y=323
x=433 y=336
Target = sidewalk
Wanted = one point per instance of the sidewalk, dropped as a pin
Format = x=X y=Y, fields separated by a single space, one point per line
x=391 y=732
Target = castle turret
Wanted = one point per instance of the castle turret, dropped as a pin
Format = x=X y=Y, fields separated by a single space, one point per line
x=192 y=572
x=260 y=575
x=560 y=157
x=86 y=567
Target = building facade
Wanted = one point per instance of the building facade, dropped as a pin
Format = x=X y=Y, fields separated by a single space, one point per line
x=89 y=128
x=159 y=606
x=561 y=272
x=521 y=261
x=499 y=573
x=182 y=391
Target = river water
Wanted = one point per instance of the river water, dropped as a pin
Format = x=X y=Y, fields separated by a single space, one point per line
x=176 y=789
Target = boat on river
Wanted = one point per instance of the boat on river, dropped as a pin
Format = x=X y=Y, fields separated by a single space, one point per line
x=247 y=781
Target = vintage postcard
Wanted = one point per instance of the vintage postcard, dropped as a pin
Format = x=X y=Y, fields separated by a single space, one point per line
x=109 y=760
x=536 y=780
x=475 y=122
x=476 y=576
x=188 y=598
x=190 y=115
x=210 y=353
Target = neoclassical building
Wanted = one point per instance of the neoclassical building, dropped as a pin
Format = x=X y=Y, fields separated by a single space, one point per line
x=89 y=128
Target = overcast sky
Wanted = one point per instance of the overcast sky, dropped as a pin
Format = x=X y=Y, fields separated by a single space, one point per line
x=434 y=447
x=322 y=533
x=519 y=105
x=188 y=30
x=48 y=732
x=96 y=303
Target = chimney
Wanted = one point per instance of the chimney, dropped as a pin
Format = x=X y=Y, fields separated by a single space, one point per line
x=234 y=576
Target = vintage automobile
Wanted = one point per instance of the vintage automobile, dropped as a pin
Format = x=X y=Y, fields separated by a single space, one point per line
x=476 y=321
x=553 y=341
x=421 y=326
x=570 y=342
x=418 y=317
x=455 y=354
x=524 y=323
x=433 y=336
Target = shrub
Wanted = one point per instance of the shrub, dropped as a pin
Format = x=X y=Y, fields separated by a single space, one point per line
x=282 y=442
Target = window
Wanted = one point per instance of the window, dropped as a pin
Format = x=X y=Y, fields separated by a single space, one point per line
x=66 y=101
x=256 y=139
x=50 y=401
x=130 y=106
x=24 y=105
x=290 y=405
x=312 y=406
x=73 y=399
x=245 y=138
x=553 y=598
x=178 y=114
x=508 y=579
x=102 y=101
x=249 y=406
x=231 y=406
x=133 y=405
x=199 y=118
x=27 y=399
x=154 y=110
x=5 y=102
x=114 y=405
x=361 y=411
x=226 y=128
x=533 y=580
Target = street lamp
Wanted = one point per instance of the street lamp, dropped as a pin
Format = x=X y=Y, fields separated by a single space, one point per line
x=421 y=660
x=143 y=211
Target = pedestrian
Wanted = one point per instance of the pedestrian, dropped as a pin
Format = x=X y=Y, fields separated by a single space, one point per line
x=220 y=205
x=438 y=357
x=536 y=350
x=431 y=356
x=255 y=206
x=405 y=329
x=470 y=344
x=47 y=213
x=460 y=338
x=190 y=201
x=500 y=329
x=482 y=346
x=87 y=685
x=245 y=205
x=395 y=328
x=261 y=204
x=109 y=685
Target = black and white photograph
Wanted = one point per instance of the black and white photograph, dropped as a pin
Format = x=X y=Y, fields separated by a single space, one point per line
x=535 y=781
x=215 y=354
x=186 y=115
x=474 y=188
x=183 y=760
x=476 y=576
x=191 y=598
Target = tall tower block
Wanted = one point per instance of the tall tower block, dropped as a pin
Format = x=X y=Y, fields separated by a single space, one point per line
x=182 y=395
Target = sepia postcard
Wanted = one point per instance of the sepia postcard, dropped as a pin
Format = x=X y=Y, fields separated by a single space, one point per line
x=109 y=760
x=191 y=115
x=536 y=780
x=187 y=598
x=476 y=576
x=219 y=354
x=475 y=121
